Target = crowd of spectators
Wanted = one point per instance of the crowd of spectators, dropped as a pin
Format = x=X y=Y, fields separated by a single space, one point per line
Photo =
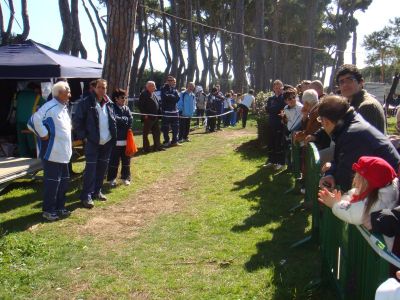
x=103 y=123
x=360 y=164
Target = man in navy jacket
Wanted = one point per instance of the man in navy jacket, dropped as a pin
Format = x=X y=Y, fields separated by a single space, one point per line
x=94 y=123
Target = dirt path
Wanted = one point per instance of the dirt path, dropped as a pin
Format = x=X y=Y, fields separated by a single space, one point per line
x=121 y=221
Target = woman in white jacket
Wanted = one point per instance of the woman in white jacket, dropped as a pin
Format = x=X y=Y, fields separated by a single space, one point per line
x=375 y=187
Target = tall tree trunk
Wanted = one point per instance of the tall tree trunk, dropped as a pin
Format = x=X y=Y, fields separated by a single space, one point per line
x=121 y=16
x=238 y=47
x=212 y=78
x=165 y=35
x=354 y=48
x=99 y=22
x=191 y=42
x=174 y=32
x=96 y=37
x=25 y=19
x=225 y=62
x=308 y=61
x=150 y=60
x=77 y=45
x=204 y=72
x=66 y=20
x=142 y=66
x=138 y=51
x=275 y=36
x=259 y=47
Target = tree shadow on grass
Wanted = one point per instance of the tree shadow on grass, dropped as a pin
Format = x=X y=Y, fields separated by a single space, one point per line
x=34 y=198
x=251 y=150
x=292 y=268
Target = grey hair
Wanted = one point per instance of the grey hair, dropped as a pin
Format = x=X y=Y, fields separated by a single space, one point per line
x=310 y=96
x=317 y=85
x=58 y=87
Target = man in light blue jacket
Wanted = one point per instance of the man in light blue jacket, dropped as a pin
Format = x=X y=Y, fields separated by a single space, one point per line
x=52 y=125
x=187 y=107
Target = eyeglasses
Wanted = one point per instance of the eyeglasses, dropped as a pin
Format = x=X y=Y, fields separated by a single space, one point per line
x=347 y=80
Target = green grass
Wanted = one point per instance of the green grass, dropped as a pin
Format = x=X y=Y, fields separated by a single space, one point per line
x=228 y=238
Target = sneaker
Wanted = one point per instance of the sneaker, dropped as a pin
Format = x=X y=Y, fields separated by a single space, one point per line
x=166 y=144
x=278 y=167
x=127 y=182
x=113 y=183
x=63 y=213
x=88 y=203
x=176 y=144
x=267 y=165
x=181 y=141
x=50 y=216
x=100 y=196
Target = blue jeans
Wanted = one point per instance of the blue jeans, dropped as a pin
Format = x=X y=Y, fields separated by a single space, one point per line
x=97 y=158
x=56 y=180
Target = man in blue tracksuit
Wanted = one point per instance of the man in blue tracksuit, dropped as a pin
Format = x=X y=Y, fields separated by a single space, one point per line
x=187 y=107
x=94 y=122
x=52 y=125
x=169 y=101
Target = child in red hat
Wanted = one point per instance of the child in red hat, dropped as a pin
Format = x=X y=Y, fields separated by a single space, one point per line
x=375 y=187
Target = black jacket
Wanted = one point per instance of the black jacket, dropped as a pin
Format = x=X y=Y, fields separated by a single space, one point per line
x=148 y=104
x=123 y=117
x=86 y=120
x=169 y=98
x=275 y=104
x=354 y=137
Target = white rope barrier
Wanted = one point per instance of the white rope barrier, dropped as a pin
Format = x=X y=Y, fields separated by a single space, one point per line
x=181 y=117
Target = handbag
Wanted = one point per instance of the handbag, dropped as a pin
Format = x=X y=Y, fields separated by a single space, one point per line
x=131 y=147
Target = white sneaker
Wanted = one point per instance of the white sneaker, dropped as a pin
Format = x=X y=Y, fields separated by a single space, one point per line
x=278 y=167
x=127 y=182
x=267 y=165
x=113 y=183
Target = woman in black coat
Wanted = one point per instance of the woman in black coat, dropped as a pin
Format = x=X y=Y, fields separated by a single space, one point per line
x=123 y=118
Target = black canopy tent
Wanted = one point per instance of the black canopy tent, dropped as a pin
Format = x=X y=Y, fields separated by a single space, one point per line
x=32 y=60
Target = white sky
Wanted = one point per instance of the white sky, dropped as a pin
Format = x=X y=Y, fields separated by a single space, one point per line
x=46 y=27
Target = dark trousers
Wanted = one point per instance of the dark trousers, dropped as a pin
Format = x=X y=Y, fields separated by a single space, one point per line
x=117 y=155
x=56 y=179
x=200 y=113
x=97 y=158
x=219 y=121
x=172 y=122
x=151 y=124
x=245 y=112
x=276 y=150
x=210 y=121
x=227 y=117
x=184 y=128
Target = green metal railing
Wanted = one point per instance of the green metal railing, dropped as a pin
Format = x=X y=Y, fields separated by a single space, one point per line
x=349 y=263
